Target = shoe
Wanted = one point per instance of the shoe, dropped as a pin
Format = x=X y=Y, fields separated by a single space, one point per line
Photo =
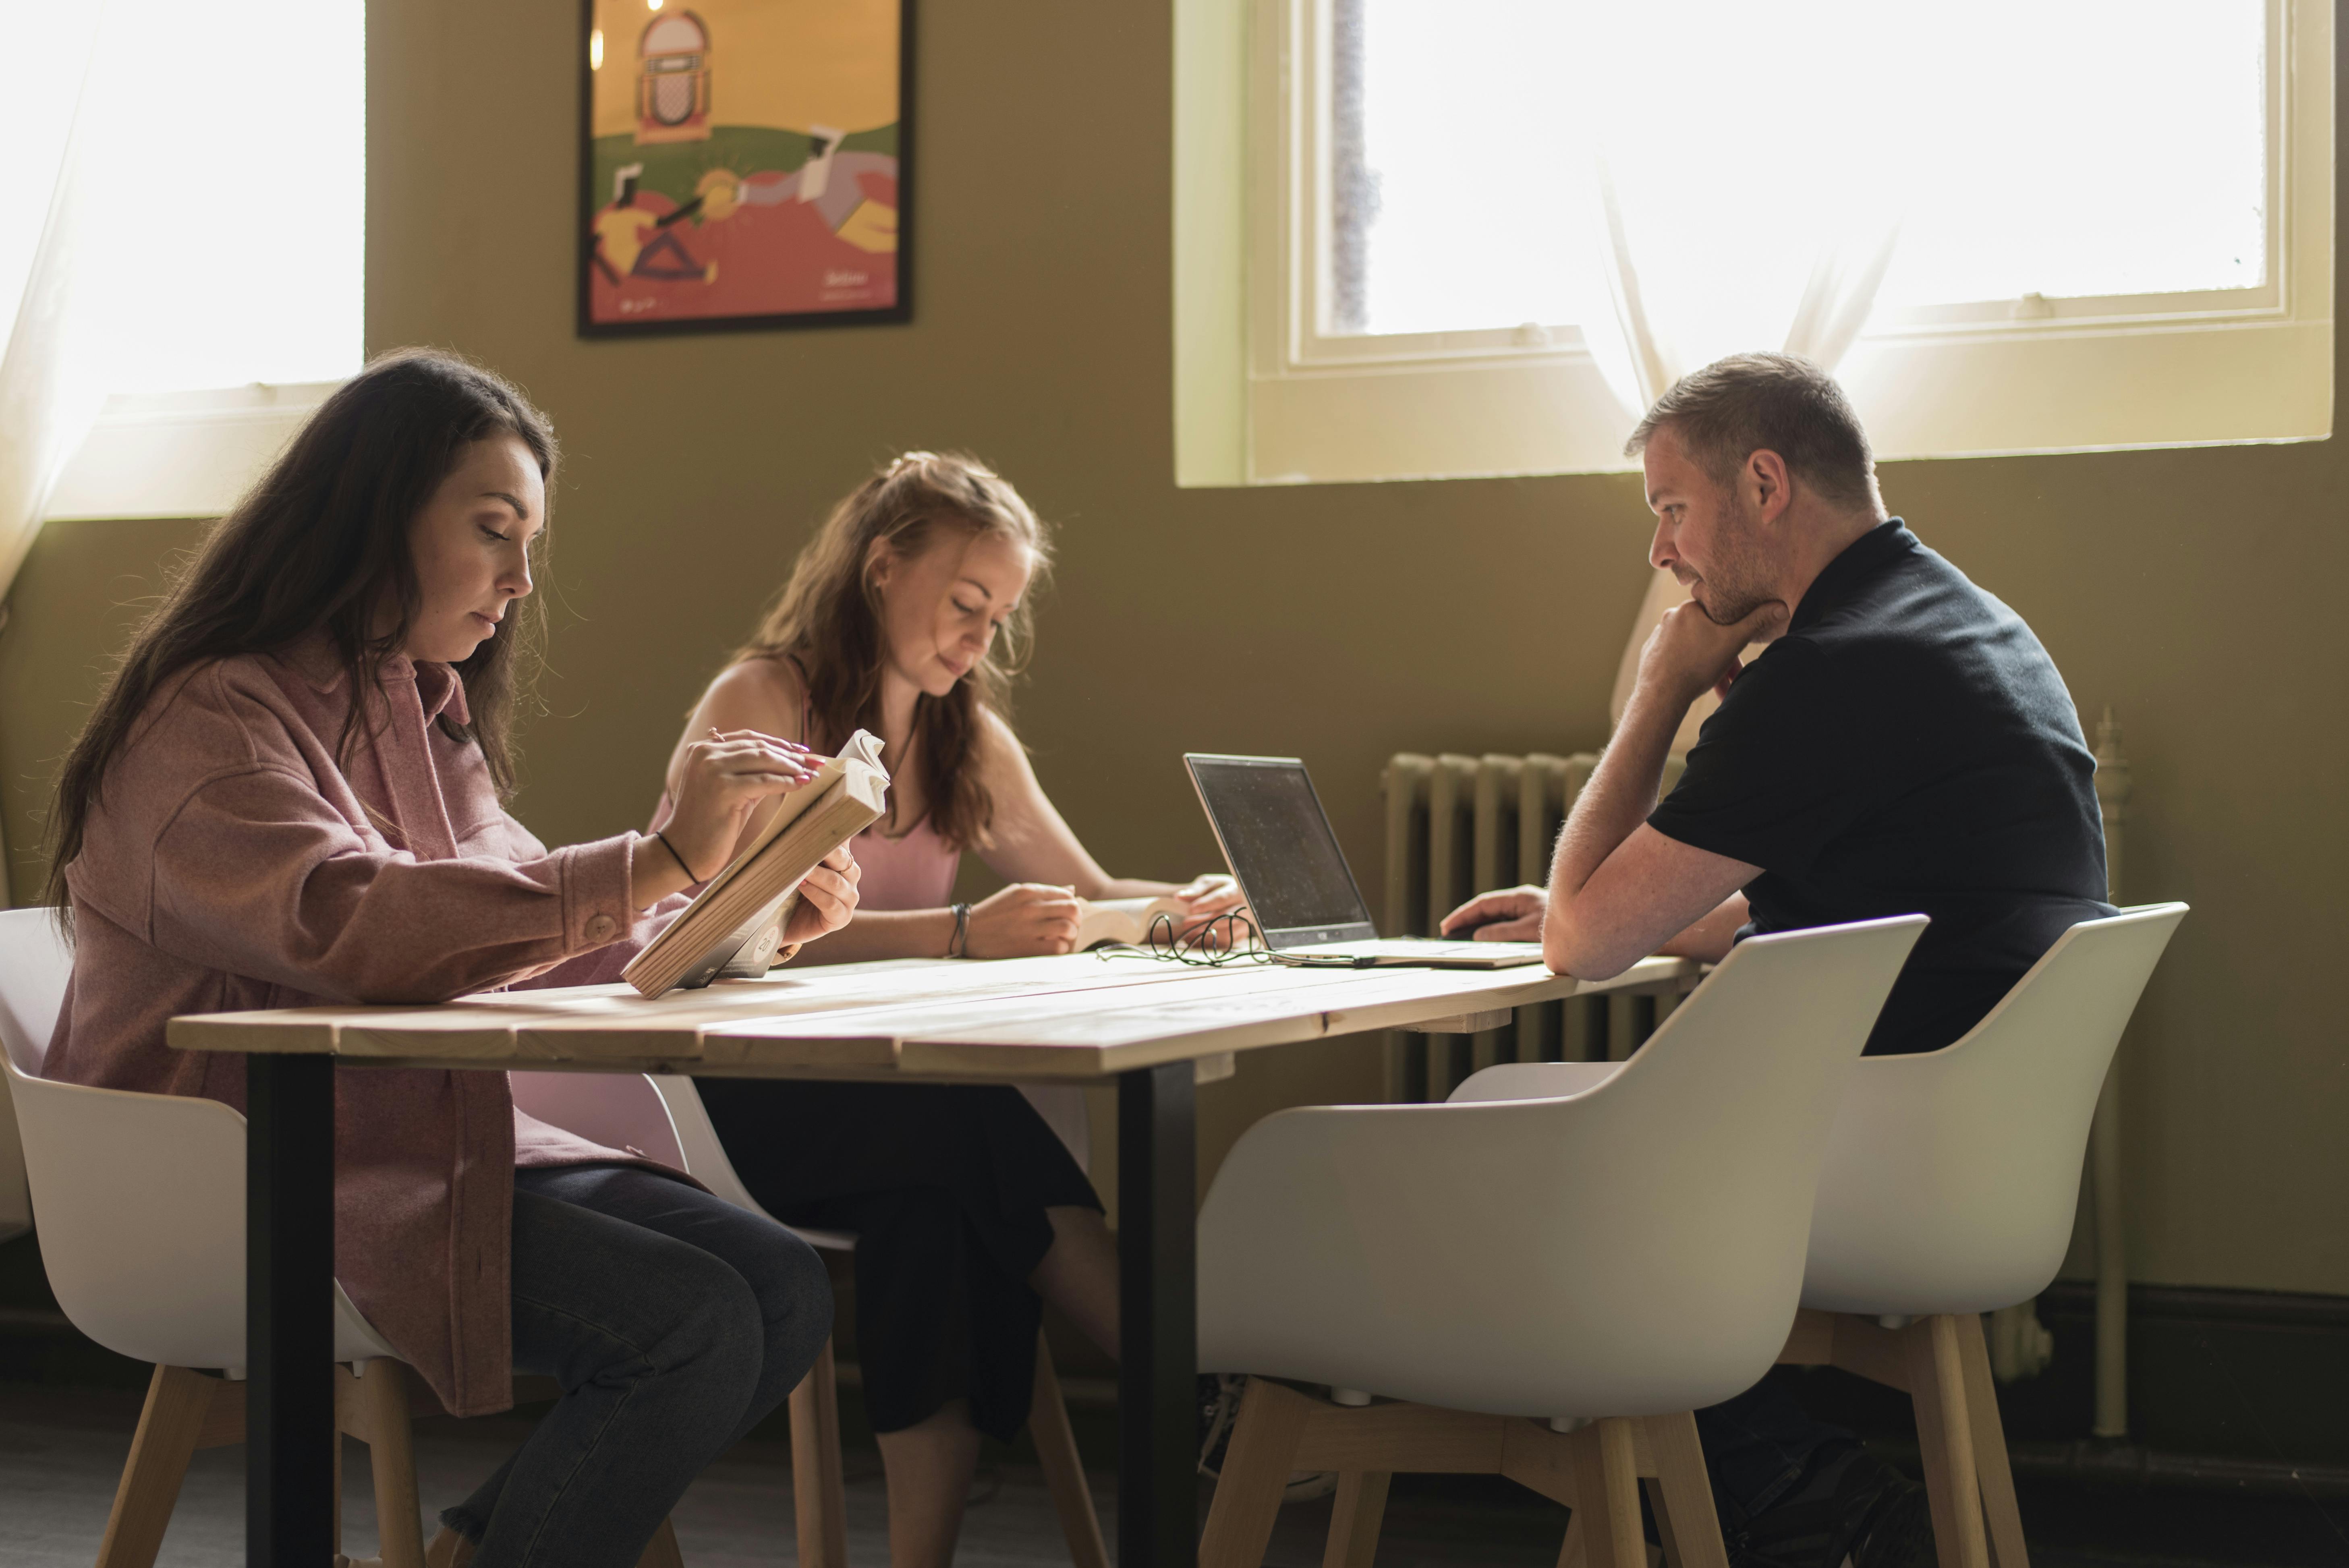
x=1899 y=1530
x=1849 y=1503
x=448 y=1550
x=1219 y=1410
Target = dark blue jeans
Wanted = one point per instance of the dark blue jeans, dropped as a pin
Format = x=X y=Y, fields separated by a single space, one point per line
x=673 y=1321
x=1758 y=1446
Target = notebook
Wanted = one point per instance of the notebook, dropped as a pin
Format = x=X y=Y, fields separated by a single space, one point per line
x=734 y=926
x=1301 y=893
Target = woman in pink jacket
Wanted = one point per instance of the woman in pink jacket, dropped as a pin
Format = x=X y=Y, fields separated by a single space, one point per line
x=290 y=794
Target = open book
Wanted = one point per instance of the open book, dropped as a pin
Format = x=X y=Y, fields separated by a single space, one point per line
x=734 y=926
x=1126 y=920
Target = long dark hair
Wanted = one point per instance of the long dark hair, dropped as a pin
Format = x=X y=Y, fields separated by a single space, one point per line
x=321 y=545
x=828 y=619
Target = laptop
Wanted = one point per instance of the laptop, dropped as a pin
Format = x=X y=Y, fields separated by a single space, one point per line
x=1301 y=893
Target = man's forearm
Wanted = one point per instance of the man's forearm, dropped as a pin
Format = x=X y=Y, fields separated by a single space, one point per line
x=1620 y=794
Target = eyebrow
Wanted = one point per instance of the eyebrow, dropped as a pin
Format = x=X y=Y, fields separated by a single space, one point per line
x=510 y=499
x=984 y=591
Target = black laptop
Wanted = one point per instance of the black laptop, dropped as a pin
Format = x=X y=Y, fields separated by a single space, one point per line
x=1278 y=841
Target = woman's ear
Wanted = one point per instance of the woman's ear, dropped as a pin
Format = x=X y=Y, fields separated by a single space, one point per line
x=879 y=565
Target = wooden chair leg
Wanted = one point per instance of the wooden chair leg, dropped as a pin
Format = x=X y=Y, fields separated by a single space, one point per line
x=1668 y=1550
x=1570 y=1552
x=1607 y=1480
x=1354 y=1521
x=1682 y=1494
x=171 y=1428
x=336 y=1482
x=1064 y=1471
x=1945 y=1439
x=374 y=1407
x=662 y=1552
x=819 y=1498
x=1992 y=1472
x=1255 y=1474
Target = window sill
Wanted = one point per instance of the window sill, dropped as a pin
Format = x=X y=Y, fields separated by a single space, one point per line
x=179 y=454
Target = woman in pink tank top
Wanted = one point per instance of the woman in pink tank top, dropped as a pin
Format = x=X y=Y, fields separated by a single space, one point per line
x=897 y=618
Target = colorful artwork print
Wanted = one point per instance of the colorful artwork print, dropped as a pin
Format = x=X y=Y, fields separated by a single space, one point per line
x=742 y=164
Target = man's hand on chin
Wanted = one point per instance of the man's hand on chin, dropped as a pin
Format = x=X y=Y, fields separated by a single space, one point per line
x=1511 y=915
x=1689 y=651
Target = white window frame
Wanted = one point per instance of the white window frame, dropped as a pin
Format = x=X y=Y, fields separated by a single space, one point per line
x=180 y=454
x=1263 y=397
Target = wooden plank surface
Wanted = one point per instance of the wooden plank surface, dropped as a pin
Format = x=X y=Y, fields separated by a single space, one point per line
x=1130 y=1029
x=1081 y=1015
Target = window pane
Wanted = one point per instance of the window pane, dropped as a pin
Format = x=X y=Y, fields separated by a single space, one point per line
x=2091 y=149
x=227 y=174
x=1445 y=212
x=2051 y=147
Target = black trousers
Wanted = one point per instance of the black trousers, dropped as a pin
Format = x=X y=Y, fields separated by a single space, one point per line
x=946 y=1187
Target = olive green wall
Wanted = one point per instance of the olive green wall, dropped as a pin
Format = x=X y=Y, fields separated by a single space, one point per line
x=2191 y=590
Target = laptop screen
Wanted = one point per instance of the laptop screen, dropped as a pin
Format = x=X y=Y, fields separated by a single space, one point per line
x=1280 y=843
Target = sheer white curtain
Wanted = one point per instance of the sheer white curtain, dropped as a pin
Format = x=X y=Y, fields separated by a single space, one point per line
x=49 y=393
x=46 y=407
x=1740 y=182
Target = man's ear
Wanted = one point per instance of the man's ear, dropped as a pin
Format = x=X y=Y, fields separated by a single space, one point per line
x=1765 y=474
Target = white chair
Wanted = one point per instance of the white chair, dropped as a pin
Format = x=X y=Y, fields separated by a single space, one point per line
x=1604 y=1261
x=1949 y=1190
x=139 y=1205
x=1951 y=1181
x=662 y=1118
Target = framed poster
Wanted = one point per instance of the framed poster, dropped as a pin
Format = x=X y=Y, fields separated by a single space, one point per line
x=743 y=164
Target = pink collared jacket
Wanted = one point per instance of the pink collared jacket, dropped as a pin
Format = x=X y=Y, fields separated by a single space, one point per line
x=230 y=863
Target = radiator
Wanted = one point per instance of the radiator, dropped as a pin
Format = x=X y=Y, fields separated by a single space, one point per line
x=1456 y=826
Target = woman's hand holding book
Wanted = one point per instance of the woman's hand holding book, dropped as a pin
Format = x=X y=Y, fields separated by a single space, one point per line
x=719 y=781
x=827 y=898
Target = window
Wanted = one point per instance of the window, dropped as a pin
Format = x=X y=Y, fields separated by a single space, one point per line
x=220 y=171
x=1471 y=238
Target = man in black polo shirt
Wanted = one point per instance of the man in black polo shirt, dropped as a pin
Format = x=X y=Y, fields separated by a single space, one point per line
x=1901 y=745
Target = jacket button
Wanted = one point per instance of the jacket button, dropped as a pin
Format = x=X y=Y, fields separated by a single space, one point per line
x=601 y=928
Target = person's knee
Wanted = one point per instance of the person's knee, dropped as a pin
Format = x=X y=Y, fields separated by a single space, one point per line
x=714 y=1334
x=795 y=1304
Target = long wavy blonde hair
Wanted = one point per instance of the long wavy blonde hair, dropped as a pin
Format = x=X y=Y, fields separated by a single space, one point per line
x=827 y=620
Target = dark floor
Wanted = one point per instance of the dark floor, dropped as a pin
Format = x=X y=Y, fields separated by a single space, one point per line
x=60 y=1453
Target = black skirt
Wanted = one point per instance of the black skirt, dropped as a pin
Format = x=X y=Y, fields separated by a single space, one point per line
x=946 y=1187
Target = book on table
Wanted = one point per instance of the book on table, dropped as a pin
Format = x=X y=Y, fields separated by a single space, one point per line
x=734 y=926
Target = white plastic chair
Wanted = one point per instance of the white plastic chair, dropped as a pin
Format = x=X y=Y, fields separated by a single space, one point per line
x=662 y=1118
x=1950 y=1186
x=1952 y=1183
x=1605 y=1261
x=139 y=1200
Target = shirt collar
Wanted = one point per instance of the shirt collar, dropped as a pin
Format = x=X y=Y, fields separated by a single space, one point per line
x=1841 y=579
x=438 y=688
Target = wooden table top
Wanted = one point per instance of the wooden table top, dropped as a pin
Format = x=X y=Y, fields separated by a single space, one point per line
x=1073 y=1018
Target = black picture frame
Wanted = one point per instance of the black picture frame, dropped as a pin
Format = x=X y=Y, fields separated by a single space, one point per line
x=591 y=205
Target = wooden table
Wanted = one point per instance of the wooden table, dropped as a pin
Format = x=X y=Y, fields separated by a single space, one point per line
x=1158 y=1028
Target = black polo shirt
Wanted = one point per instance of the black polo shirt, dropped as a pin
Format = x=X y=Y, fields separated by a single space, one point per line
x=1906 y=746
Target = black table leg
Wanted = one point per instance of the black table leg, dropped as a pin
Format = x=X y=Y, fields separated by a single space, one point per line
x=289 y=1324
x=1158 y=1436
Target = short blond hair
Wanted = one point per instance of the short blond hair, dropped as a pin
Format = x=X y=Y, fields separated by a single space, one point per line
x=1781 y=403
